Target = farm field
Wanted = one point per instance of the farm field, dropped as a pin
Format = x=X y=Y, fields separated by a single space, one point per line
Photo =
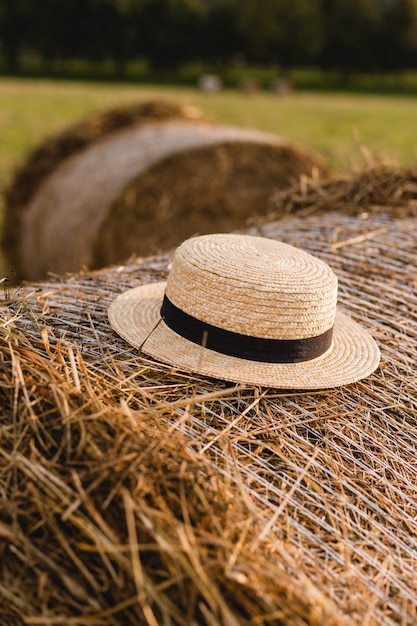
x=348 y=130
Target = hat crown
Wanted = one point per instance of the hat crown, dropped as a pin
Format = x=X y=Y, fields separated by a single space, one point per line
x=253 y=286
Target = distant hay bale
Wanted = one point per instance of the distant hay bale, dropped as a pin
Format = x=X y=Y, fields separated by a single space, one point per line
x=133 y=493
x=46 y=157
x=145 y=188
x=281 y=86
x=210 y=83
x=249 y=86
x=43 y=159
x=212 y=188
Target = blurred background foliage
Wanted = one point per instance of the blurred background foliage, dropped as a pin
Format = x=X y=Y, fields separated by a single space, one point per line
x=139 y=38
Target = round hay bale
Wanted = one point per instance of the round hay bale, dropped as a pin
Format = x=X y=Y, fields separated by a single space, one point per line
x=142 y=189
x=216 y=188
x=46 y=157
x=134 y=493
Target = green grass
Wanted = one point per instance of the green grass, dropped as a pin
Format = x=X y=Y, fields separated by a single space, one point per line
x=344 y=128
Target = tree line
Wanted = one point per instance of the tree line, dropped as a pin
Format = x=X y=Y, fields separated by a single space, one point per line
x=340 y=35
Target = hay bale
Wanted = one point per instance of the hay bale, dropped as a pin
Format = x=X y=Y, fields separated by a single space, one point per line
x=43 y=159
x=133 y=493
x=46 y=157
x=141 y=189
x=209 y=189
x=210 y=83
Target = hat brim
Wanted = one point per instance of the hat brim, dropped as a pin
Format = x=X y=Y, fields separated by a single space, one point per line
x=135 y=316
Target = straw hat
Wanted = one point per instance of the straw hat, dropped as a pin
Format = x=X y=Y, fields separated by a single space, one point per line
x=249 y=310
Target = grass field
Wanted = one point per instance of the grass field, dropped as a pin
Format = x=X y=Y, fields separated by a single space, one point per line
x=345 y=128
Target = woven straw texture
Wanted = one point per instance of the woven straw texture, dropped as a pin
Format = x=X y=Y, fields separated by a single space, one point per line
x=134 y=494
x=251 y=286
x=144 y=188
